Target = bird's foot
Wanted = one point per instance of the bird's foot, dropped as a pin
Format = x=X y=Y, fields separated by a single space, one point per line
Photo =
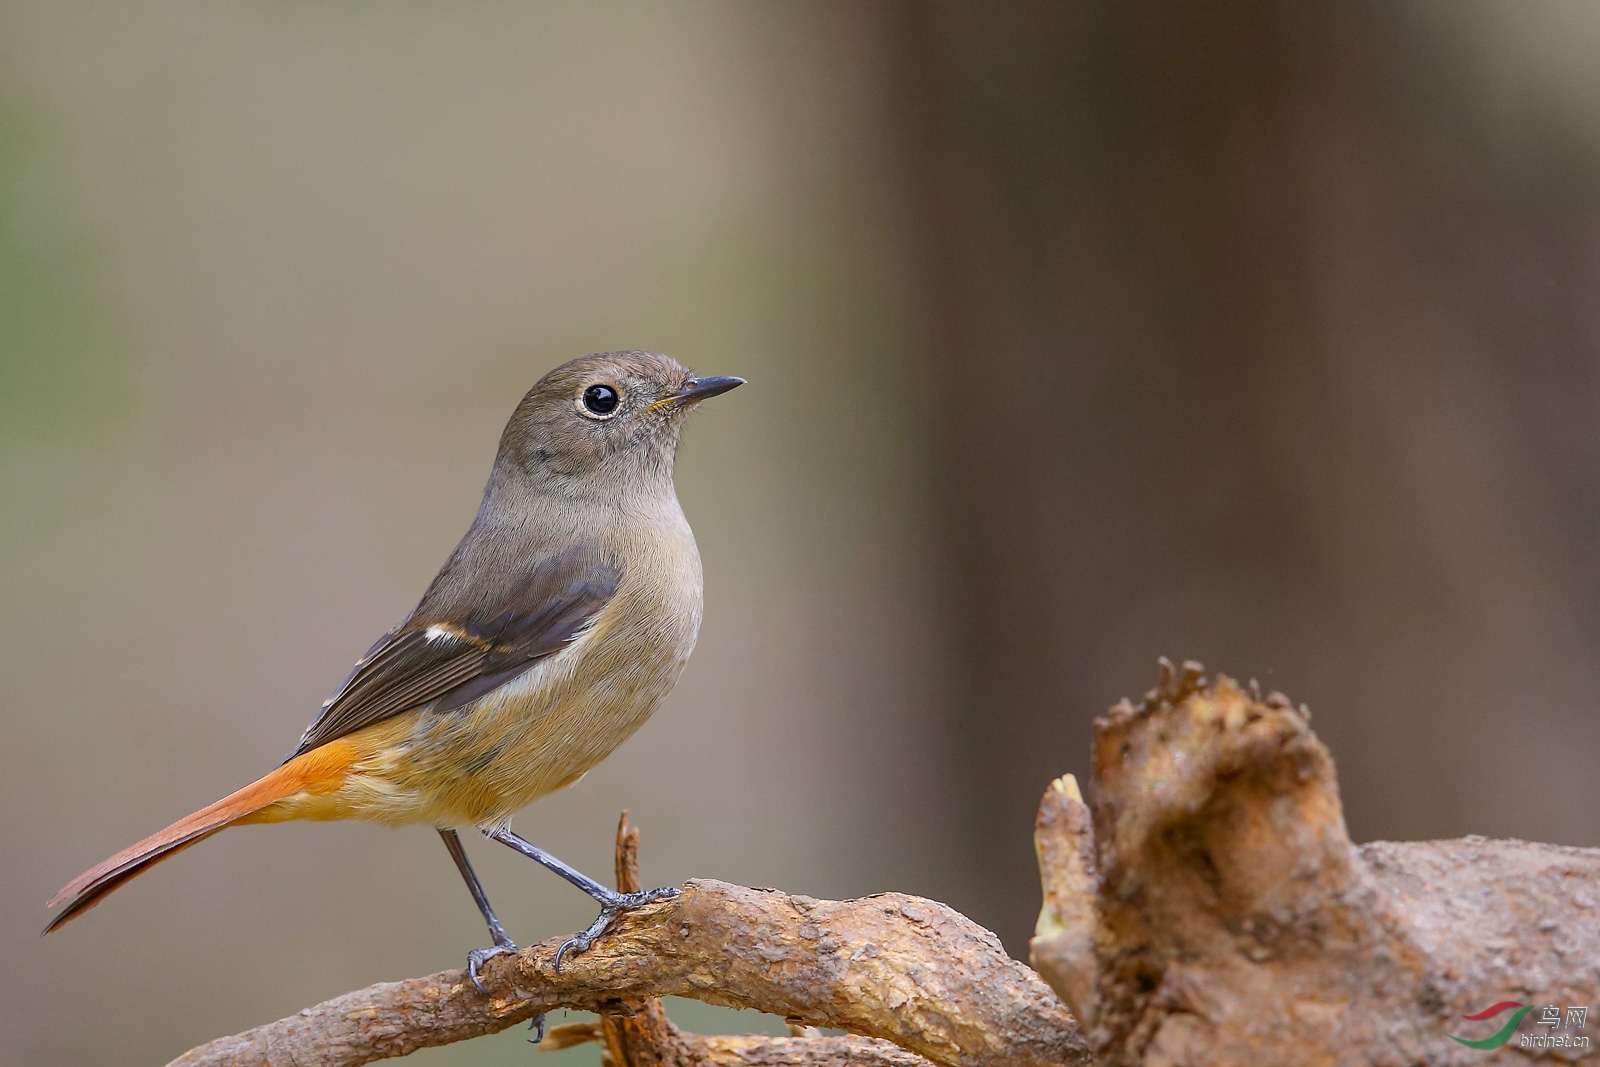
x=610 y=907
x=479 y=956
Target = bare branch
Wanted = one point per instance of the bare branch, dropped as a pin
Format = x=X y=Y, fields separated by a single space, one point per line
x=898 y=968
x=637 y=1033
x=670 y=1046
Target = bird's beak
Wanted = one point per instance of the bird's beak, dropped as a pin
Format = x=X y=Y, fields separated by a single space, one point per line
x=697 y=389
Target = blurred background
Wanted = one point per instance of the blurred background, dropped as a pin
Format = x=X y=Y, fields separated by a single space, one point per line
x=1077 y=333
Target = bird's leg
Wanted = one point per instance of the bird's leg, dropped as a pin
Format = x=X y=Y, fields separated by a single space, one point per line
x=502 y=942
x=612 y=903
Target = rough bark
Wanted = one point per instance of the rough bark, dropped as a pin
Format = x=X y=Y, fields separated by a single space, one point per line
x=637 y=1033
x=1211 y=908
x=650 y=1042
x=905 y=971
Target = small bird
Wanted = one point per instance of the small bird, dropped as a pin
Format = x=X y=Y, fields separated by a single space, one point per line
x=552 y=632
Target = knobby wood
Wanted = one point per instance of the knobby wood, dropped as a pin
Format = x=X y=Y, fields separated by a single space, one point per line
x=1209 y=908
x=911 y=980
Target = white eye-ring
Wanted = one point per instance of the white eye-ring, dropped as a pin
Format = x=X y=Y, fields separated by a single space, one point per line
x=599 y=401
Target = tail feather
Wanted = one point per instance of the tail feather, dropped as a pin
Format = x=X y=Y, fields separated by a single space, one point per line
x=312 y=770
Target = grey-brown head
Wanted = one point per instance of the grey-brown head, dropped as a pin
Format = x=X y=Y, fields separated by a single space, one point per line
x=602 y=421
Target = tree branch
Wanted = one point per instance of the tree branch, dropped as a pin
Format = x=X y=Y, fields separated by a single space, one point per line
x=896 y=968
x=637 y=1033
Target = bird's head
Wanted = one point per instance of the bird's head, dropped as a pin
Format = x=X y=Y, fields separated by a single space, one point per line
x=603 y=423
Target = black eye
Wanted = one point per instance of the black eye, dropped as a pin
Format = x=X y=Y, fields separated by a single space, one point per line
x=600 y=399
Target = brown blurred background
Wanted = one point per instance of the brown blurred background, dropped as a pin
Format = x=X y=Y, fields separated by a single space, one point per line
x=1264 y=334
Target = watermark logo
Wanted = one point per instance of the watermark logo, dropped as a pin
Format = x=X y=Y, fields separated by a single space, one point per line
x=1502 y=1035
x=1550 y=1016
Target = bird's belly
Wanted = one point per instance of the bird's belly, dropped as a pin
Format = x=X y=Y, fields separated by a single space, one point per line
x=523 y=747
x=480 y=763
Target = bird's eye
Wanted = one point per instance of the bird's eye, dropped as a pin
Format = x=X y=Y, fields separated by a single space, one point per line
x=600 y=400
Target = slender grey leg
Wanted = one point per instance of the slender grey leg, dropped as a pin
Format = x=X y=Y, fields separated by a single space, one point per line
x=612 y=903
x=502 y=943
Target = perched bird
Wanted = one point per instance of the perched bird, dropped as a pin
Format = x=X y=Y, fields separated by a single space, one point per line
x=554 y=629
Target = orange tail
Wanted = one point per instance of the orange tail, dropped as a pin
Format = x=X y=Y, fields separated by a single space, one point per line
x=311 y=770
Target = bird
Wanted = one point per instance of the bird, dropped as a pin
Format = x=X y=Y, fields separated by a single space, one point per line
x=554 y=629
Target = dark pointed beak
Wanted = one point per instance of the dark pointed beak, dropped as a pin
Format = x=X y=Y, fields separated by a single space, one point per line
x=697 y=389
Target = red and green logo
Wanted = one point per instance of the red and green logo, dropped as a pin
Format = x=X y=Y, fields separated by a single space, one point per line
x=1502 y=1035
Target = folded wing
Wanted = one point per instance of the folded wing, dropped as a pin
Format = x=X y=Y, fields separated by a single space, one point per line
x=457 y=647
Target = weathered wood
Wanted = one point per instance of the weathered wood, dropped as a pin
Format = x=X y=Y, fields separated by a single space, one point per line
x=911 y=973
x=1213 y=911
x=637 y=1033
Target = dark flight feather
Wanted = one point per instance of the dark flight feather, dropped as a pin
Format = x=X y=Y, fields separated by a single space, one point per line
x=475 y=645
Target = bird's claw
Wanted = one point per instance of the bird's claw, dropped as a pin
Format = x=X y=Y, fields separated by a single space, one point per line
x=581 y=942
x=610 y=908
x=479 y=956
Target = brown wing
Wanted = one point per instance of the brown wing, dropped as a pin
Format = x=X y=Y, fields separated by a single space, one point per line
x=461 y=643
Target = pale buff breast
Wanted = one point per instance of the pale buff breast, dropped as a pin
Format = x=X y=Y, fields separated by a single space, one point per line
x=481 y=763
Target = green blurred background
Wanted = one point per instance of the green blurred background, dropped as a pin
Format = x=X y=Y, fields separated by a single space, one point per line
x=1260 y=333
